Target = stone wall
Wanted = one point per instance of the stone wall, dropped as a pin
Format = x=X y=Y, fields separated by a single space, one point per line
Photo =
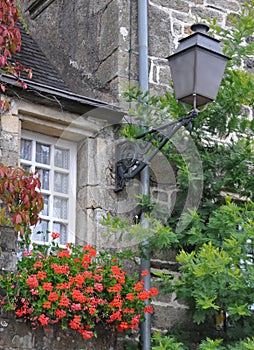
x=94 y=43
x=15 y=334
x=94 y=46
x=9 y=139
x=9 y=155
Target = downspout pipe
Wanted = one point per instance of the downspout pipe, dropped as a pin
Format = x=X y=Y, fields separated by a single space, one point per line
x=143 y=44
x=145 y=174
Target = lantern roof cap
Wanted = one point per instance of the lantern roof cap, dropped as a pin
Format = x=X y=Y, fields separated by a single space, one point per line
x=199 y=39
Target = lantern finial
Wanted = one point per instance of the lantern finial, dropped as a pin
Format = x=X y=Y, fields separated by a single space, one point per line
x=200 y=28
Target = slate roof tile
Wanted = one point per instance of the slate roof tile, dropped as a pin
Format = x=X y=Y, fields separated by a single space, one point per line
x=32 y=57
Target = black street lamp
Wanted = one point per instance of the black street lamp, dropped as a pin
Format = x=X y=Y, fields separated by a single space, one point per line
x=197 y=68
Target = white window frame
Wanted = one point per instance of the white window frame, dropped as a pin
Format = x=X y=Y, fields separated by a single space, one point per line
x=72 y=183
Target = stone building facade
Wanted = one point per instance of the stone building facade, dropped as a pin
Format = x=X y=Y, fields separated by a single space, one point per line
x=98 y=54
x=92 y=45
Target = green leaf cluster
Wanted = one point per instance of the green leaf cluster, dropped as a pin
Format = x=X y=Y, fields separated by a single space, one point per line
x=216 y=247
x=170 y=343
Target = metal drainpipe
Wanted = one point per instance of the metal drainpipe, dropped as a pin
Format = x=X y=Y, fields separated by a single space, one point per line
x=145 y=174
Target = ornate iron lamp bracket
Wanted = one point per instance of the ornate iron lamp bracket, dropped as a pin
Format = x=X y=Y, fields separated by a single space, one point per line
x=133 y=157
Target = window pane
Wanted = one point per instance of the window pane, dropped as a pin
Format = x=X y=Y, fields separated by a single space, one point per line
x=60 y=208
x=26 y=149
x=45 y=210
x=44 y=177
x=62 y=229
x=40 y=232
x=62 y=158
x=26 y=167
x=60 y=182
x=42 y=153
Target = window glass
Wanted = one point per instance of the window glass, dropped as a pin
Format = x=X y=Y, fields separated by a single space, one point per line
x=45 y=210
x=26 y=149
x=55 y=162
x=42 y=153
x=60 y=208
x=62 y=229
x=61 y=158
x=44 y=177
x=61 y=182
x=40 y=232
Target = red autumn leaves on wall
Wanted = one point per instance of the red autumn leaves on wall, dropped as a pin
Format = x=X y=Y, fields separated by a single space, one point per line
x=21 y=198
x=10 y=43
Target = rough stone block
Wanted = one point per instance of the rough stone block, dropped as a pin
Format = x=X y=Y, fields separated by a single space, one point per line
x=8 y=249
x=162 y=170
x=208 y=13
x=108 y=69
x=160 y=35
x=98 y=6
x=165 y=316
x=179 y=5
x=224 y=4
x=8 y=261
x=8 y=239
x=109 y=35
x=168 y=255
x=164 y=75
x=128 y=60
x=10 y=123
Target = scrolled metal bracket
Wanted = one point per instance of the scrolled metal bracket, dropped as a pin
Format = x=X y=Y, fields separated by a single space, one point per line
x=133 y=157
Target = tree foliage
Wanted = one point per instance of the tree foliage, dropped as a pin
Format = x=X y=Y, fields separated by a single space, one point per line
x=216 y=248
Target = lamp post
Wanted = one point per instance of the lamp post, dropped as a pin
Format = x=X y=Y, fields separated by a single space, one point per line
x=197 y=68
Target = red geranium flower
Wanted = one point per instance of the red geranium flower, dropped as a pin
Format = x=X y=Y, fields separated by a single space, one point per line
x=38 y=264
x=64 y=253
x=41 y=275
x=75 y=322
x=89 y=290
x=115 y=289
x=53 y=296
x=144 y=295
x=98 y=287
x=60 y=313
x=47 y=286
x=86 y=334
x=148 y=309
x=154 y=291
x=46 y=305
x=55 y=235
x=43 y=320
x=144 y=273
x=138 y=286
x=64 y=301
x=130 y=296
x=91 y=250
x=32 y=281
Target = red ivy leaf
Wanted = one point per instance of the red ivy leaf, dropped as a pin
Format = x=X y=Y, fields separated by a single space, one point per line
x=17 y=218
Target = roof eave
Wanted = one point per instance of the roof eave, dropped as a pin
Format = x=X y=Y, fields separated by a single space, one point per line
x=64 y=99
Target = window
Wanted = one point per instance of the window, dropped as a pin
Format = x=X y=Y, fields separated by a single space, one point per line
x=55 y=161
